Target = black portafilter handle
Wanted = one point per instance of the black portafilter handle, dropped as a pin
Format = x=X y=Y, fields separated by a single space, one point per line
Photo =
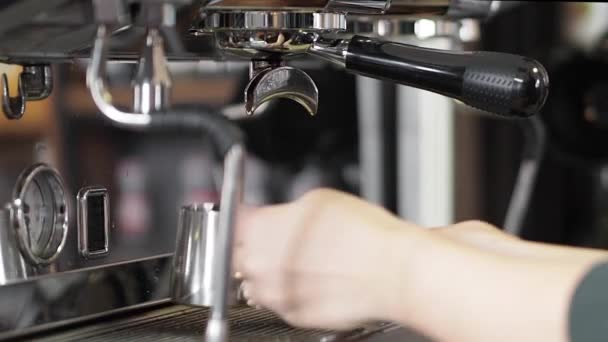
x=505 y=84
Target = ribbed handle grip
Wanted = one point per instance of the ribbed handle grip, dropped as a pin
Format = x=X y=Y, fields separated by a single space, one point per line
x=505 y=84
x=500 y=83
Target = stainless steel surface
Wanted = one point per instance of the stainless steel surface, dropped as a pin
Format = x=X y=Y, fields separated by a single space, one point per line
x=231 y=198
x=152 y=83
x=218 y=330
x=281 y=82
x=134 y=273
x=259 y=35
x=12 y=263
x=196 y=248
x=99 y=93
x=316 y=5
x=63 y=30
x=82 y=199
x=44 y=281
x=179 y=323
x=240 y=20
x=35 y=83
x=69 y=297
x=39 y=214
x=332 y=50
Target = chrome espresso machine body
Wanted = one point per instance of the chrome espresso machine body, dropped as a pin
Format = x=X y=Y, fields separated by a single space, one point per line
x=56 y=243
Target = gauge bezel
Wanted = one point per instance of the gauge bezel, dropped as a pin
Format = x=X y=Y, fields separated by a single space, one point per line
x=47 y=176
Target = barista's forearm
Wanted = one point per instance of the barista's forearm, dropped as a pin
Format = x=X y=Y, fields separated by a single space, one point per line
x=566 y=254
x=454 y=292
x=487 y=238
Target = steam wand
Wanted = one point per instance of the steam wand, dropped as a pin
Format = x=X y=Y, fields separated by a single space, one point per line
x=154 y=115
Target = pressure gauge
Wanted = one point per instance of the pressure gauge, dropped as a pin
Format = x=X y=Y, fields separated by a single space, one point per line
x=39 y=214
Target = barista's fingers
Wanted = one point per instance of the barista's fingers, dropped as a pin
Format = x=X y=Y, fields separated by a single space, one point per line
x=246 y=289
x=240 y=238
x=247 y=263
x=253 y=222
x=252 y=293
x=255 y=229
x=248 y=292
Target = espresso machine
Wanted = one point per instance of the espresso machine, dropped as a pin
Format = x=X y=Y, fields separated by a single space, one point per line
x=60 y=244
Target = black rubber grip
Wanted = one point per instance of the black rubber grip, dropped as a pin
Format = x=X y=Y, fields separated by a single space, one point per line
x=500 y=83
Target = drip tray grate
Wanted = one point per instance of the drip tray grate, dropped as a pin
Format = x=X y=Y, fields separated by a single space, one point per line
x=185 y=324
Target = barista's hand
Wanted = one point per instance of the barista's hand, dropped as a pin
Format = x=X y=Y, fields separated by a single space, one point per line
x=330 y=260
x=326 y=260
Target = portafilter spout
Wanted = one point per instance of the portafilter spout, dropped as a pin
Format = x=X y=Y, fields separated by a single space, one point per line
x=270 y=81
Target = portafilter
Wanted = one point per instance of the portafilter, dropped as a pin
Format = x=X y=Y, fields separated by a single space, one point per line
x=505 y=84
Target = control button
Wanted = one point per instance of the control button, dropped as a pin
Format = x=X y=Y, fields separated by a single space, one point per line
x=93 y=221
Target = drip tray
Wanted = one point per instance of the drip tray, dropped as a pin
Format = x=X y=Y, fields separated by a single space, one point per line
x=181 y=324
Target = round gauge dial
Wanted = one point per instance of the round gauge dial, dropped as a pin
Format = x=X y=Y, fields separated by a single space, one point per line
x=39 y=214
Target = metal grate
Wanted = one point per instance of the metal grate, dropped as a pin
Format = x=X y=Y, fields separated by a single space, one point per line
x=184 y=324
